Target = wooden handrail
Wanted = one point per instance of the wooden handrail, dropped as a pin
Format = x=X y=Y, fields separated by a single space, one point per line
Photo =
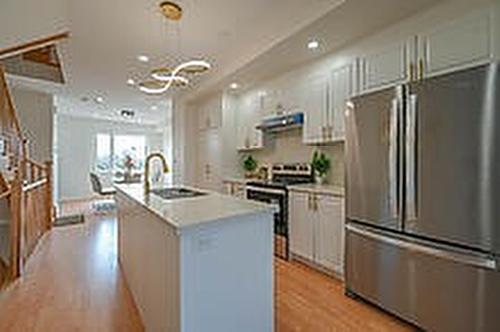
x=28 y=187
x=34 y=44
x=35 y=163
x=34 y=185
x=5 y=194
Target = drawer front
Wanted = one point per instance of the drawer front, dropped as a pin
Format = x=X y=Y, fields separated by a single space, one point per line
x=423 y=286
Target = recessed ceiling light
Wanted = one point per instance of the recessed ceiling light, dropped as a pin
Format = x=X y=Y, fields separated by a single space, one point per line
x=313 y=44
x=130 y=81
x=234 y=85
x=154 y=108
x=127 y=113
x=99 y=99
x=143 y=58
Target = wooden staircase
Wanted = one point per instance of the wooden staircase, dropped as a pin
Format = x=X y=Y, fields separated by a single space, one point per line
x=26 y=207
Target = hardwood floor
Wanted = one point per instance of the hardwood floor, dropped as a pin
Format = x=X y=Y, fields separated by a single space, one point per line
x=308 y=300
x=73 y=283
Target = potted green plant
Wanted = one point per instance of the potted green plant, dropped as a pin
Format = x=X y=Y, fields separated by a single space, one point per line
x=321 y=165
x=249 y=165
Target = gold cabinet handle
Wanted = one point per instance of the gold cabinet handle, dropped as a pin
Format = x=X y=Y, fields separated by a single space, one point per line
x=411 y=73
x=421 y=68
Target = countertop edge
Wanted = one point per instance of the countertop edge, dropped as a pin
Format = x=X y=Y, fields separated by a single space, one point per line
x=318 y=189
x=171 y=221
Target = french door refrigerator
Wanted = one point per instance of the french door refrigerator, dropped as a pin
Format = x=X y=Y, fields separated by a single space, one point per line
x=423 y=200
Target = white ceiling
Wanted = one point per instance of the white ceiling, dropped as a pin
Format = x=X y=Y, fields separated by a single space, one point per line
x=107 y=36
x=248 y=38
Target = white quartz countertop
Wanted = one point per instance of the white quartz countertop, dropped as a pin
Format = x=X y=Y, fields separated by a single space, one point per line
x=186 y=212
x=320 y=189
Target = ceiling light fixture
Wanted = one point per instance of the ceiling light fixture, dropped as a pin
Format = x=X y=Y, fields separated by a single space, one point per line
x=171 y=10
x=152 y=87
x=130 y=81
x=234 y=85
x=165 y=77
x=313 y=44
x=127 y=113
x=99 y=99
x=193 y=67
x=143 y=58
x=154 y=108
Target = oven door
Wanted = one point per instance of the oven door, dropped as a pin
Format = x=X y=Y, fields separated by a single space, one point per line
x=278 y=198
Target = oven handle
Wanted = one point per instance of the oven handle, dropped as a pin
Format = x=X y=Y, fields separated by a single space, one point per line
x=266 y=190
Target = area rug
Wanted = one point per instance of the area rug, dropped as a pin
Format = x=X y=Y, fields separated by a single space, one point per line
x=69 y=220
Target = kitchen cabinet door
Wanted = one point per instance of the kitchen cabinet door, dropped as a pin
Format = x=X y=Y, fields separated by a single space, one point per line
x=387 y=65
x=341 y=88
x=302 y=221
x=457 y=44
x=209 y=166
x=210 y=114
x=314 y=103
x=329 y=244
x=249 y=116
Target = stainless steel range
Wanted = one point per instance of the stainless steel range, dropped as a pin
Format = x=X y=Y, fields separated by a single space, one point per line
x=274 y=191
x=423 y=220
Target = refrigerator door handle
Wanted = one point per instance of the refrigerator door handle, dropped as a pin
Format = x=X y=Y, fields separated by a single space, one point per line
x=475 y=260
x=393 y=157
x=411 y=158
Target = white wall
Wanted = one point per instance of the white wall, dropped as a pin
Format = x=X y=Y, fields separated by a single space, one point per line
x=76 y=150
x=35 y=112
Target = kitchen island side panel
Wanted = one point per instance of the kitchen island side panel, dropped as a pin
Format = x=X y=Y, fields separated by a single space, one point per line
x=227 y=275
x=148 y=250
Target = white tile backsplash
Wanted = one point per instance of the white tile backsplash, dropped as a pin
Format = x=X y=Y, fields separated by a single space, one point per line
x=287 y=147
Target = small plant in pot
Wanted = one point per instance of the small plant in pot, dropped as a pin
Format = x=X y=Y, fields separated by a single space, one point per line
x=321 y=166
x=250 y=166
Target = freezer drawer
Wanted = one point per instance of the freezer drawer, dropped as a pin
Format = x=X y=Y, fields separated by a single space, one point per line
x=434 y=288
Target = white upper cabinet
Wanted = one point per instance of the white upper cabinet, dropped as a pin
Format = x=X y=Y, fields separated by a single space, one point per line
x=210 y=114
x=209 y=161
x=457 y=44
x=248 y=117
x=342 y=82
x=386 y=65
x=448 y=47
x=313 y=101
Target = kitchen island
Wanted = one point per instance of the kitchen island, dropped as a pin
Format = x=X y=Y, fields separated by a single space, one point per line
x=202 y=263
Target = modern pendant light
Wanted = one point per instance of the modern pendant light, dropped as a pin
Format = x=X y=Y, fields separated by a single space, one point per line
x=165 y=77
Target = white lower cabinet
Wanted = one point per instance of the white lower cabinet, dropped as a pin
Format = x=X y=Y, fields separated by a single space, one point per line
x=329 y=242
x=301 y=225
x=235 y=189
x=317 y=230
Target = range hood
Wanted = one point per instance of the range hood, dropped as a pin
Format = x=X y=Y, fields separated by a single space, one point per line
x=282 y=122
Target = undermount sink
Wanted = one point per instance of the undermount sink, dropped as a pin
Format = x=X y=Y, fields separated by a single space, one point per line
x=176 y=193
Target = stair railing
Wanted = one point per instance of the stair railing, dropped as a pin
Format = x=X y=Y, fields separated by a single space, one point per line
x=26 y=184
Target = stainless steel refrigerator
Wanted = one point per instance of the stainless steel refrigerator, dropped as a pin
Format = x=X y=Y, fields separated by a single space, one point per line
x=423 y=200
